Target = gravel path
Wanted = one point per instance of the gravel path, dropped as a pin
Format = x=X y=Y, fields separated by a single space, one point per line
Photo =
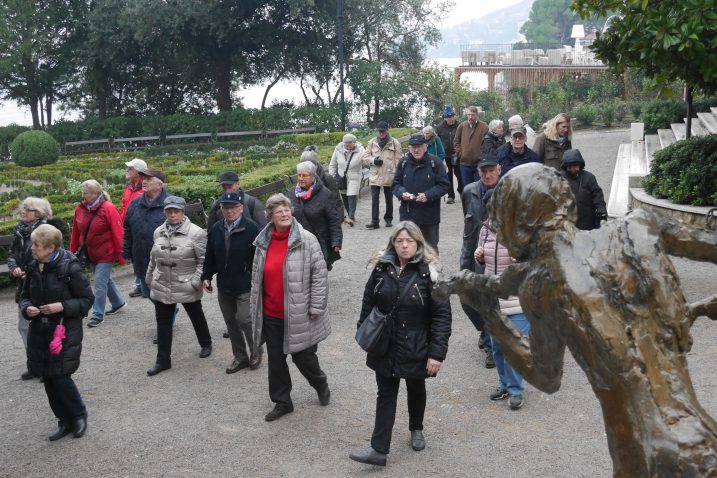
x=195 y=420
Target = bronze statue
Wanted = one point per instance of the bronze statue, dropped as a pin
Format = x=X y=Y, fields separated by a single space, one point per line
x=613 y=297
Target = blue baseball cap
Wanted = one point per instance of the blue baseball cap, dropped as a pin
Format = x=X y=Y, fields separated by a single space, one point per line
x=232 y=198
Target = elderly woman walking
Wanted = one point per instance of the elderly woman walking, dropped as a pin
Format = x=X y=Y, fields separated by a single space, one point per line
x=435 y=145
x=174 y=276
x=401 y=286
x=55 y=297
x=493 y=140
x=98 y=230
x=289 y=293
x=315 y=211
x=34 y=212
x=345 y=167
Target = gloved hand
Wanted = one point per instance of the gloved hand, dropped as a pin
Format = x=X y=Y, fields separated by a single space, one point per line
x=378 y=161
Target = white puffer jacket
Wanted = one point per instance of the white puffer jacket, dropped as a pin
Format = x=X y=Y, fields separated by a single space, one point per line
x=497 y=260
x=306 y=289
x=175 y=264
x=338 y=166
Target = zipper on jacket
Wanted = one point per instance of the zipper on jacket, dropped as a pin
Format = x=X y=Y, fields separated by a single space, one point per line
x=378 y=284
x=415 y=286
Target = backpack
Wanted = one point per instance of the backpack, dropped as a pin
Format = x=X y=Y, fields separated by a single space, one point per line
x=434 y=167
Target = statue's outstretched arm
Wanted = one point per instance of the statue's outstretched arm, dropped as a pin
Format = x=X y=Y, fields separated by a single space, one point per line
x=706 y=307
x=680 y=239
x=481 y=292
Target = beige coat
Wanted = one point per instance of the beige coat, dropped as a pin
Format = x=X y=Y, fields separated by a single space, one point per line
x=306 y=290
x=391 y=154
x=467 y=142
x=175 y=264
x=338 y=166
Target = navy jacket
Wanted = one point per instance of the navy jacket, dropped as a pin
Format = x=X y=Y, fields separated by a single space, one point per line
x=232 y=263
x=428 y=176
x=508 y=159
x=140 y=223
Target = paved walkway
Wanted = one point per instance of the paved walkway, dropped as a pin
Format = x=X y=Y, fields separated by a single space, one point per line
x=195 y=420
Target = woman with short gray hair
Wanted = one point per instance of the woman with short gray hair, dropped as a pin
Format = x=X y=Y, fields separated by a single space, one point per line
x=346 y=169
x=316 y=212
x=493 y=140
x=435 y=145
x=34 y=212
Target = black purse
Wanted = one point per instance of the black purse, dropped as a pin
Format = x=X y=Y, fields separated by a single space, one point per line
x=342 y=182
x=82 y=255
x=374 y=333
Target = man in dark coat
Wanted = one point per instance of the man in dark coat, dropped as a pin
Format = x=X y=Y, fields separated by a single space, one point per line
x=144 y=214
x=447 y=132
x=419 y=183
x=230 y=255
x=475 y=196
x=316 y=212
x=253 y=208
x=516 y=153
x=588 y=193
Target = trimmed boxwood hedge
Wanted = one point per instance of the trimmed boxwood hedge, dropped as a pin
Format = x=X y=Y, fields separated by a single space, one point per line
x=34 y=148
x=685 y=172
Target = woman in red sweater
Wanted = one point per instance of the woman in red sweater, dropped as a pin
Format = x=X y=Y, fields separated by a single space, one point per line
x=289 y=292
x=97 y=225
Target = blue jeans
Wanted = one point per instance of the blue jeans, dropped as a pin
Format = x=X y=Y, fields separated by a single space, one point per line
x=509 y=378
x=104 y=288
x=469 y=174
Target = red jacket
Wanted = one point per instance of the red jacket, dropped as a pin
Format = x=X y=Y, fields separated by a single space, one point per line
x=131 y=191
x=104 y=240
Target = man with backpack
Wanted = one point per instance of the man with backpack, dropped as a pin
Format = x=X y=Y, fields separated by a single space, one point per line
x=253 y=208
x=419 y=183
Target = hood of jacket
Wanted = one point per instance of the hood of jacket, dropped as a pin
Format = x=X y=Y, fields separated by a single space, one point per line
x=572 y=156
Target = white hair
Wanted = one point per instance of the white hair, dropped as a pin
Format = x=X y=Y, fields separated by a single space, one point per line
x=306 y=166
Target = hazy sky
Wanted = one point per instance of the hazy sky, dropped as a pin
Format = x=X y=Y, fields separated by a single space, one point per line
x=462 y=11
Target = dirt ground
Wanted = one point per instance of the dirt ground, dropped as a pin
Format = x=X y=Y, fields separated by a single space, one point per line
x=195 y=420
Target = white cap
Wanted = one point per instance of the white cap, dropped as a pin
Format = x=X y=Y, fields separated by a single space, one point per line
x=138 y=165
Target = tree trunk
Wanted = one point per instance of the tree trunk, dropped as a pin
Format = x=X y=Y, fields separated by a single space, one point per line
x=34 y=112
x=688 y=97
x=48 y=109
x=42 y=112
x=270 y=86
x=221 y=67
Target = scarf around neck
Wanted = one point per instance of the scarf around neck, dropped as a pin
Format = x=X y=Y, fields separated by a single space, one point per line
x=305 y=195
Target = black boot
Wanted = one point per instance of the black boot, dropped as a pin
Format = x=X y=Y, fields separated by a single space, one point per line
x=80 y=427
x=158 y=367
x=370 y=457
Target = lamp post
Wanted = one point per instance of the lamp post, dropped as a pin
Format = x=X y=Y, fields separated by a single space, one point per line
x=340 y=25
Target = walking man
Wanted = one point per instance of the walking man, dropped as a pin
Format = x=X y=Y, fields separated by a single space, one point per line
x=230 y=255
x=229 y=181
x=467 y=144
x=382 y=154
x=447 y=132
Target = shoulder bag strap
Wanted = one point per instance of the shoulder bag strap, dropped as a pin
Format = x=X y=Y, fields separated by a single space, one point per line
x=405 y=291
x=84 y=239
x=348 y=163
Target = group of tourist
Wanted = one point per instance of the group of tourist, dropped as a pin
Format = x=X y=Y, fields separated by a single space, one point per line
x=271 y=264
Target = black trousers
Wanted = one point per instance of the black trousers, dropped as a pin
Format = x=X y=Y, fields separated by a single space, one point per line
x=430 y=234
x=376 y=199
x=64 y=399
x=165 y=317
x=279 y=378
x=454 y=171
x=386 y=409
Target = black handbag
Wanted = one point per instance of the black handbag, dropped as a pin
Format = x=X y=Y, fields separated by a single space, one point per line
x=342 y=182
x=375 y=331
x=82 y=255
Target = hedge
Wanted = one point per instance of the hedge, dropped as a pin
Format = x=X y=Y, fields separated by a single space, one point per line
x=34 y=148
x=685 y=172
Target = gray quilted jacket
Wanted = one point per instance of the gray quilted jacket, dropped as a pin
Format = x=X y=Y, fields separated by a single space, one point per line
x=175 y=264
x=306 y=289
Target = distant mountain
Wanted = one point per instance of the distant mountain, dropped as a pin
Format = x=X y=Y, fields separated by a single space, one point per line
x=500 y=26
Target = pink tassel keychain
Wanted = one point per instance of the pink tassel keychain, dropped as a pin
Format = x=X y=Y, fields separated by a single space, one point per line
x=57 y=336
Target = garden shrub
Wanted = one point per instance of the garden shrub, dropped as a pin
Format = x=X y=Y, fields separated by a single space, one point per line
x=585 y=114
x=658 y=114
x=34 y=148
x=685 y=172
x=7 y=134
x=611 y=111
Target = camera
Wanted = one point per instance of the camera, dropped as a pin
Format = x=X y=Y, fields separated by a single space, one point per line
x=378 y=161
x=411 y=197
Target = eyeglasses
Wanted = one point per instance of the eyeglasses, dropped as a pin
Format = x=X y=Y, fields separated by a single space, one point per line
x=303 y=176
